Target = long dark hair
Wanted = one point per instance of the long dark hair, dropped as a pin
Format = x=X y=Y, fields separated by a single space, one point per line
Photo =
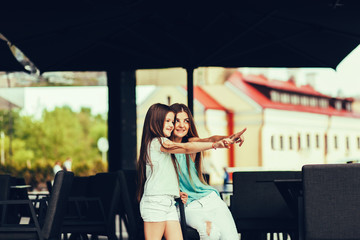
x=192 y=132
x=153 y=128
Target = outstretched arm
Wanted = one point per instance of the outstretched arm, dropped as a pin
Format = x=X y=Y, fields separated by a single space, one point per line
x=236 y=137
x=214 y=138
x=193 y=147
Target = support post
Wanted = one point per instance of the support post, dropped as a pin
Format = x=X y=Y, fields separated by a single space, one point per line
x=121 y=120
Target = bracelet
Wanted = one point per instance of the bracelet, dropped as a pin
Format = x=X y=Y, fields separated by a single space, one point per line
x=213 y=146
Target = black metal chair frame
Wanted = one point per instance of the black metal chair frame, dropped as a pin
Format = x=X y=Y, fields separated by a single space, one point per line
x=331 y=202
x=89 y=215
x=259 y=208
x=188 y=232
x=36 y=230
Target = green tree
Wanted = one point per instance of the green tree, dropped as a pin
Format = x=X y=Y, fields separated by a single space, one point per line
x=58 y=134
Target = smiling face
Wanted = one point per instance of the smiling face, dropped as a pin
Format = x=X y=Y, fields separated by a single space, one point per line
x=168 y=124
x=182 y=125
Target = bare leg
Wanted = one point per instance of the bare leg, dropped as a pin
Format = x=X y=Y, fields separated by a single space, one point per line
x=154 y=230
x=173 y=230
x=208 y=227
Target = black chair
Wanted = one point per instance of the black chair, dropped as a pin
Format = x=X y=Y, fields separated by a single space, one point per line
x=4 y=194
x=106 y=186
x=77 y=206
x=49 y=186
x=206 y=177
x=53 y=218
x=5 y=181
x=129 y=210
x=258 y=207
x=18 y=192
x=97 y=206
x=79 y=189
x=331 y=202
x=188 y=232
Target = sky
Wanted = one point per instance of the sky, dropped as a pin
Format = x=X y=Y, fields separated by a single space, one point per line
x=348 y=73
x=346 y=77
x=39 y=98
x=96 y=97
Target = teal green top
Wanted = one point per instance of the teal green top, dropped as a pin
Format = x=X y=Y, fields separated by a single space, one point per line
x=196 y=189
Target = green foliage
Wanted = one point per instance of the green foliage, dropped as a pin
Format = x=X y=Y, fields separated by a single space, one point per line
x=21 y=155
x=36 y=144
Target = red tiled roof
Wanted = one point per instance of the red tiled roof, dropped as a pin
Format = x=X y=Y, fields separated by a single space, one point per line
x=282 y=85
x=206 y=100
x=243 y=83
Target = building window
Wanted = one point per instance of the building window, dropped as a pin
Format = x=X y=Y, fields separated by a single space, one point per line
x=324 y=103
x=335 y=142
x=290 y=143
x=304 y=100
x=275 y=96
x=317 y=139
x=308 y=140
x=299 y=142
x=348 y=106
x=295 y=99
x=338 y=105
x=326 y=144
x=272 y=143
x=313 y=102
x=347 y=143
x=281 y=143
x=285 y=98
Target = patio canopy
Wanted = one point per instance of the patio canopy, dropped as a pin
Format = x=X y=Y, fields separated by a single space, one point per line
x=135 y=34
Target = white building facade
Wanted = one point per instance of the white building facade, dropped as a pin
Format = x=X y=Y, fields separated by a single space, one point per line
x=296 y=125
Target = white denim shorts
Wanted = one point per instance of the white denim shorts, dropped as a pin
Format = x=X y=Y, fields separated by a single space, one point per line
x=158 y=208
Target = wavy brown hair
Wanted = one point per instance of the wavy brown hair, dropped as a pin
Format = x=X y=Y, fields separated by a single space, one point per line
x=178 y=108
x=153 y=128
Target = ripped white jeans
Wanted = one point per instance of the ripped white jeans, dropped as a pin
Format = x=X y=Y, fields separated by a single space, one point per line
x=212 y=209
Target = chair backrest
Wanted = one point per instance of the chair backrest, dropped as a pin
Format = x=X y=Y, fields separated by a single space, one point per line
x=49 y=186
x=4 y=187
x=256 y=198
x=331 y=201
x=80 y=186
x=131 y=185
x=4 y=194
x=19 y=194
x=57 y=205
x=125 y=206
x=206 y=177
x=106 y=186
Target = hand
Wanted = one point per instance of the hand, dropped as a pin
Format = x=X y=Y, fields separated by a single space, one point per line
x=238 y=138
x=183 y=197
x=224 y=143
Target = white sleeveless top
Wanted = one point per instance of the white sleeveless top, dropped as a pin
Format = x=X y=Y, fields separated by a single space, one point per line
x=162 y=180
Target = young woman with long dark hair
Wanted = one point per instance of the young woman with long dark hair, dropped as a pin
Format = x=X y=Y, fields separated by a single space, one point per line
x=205 y=210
